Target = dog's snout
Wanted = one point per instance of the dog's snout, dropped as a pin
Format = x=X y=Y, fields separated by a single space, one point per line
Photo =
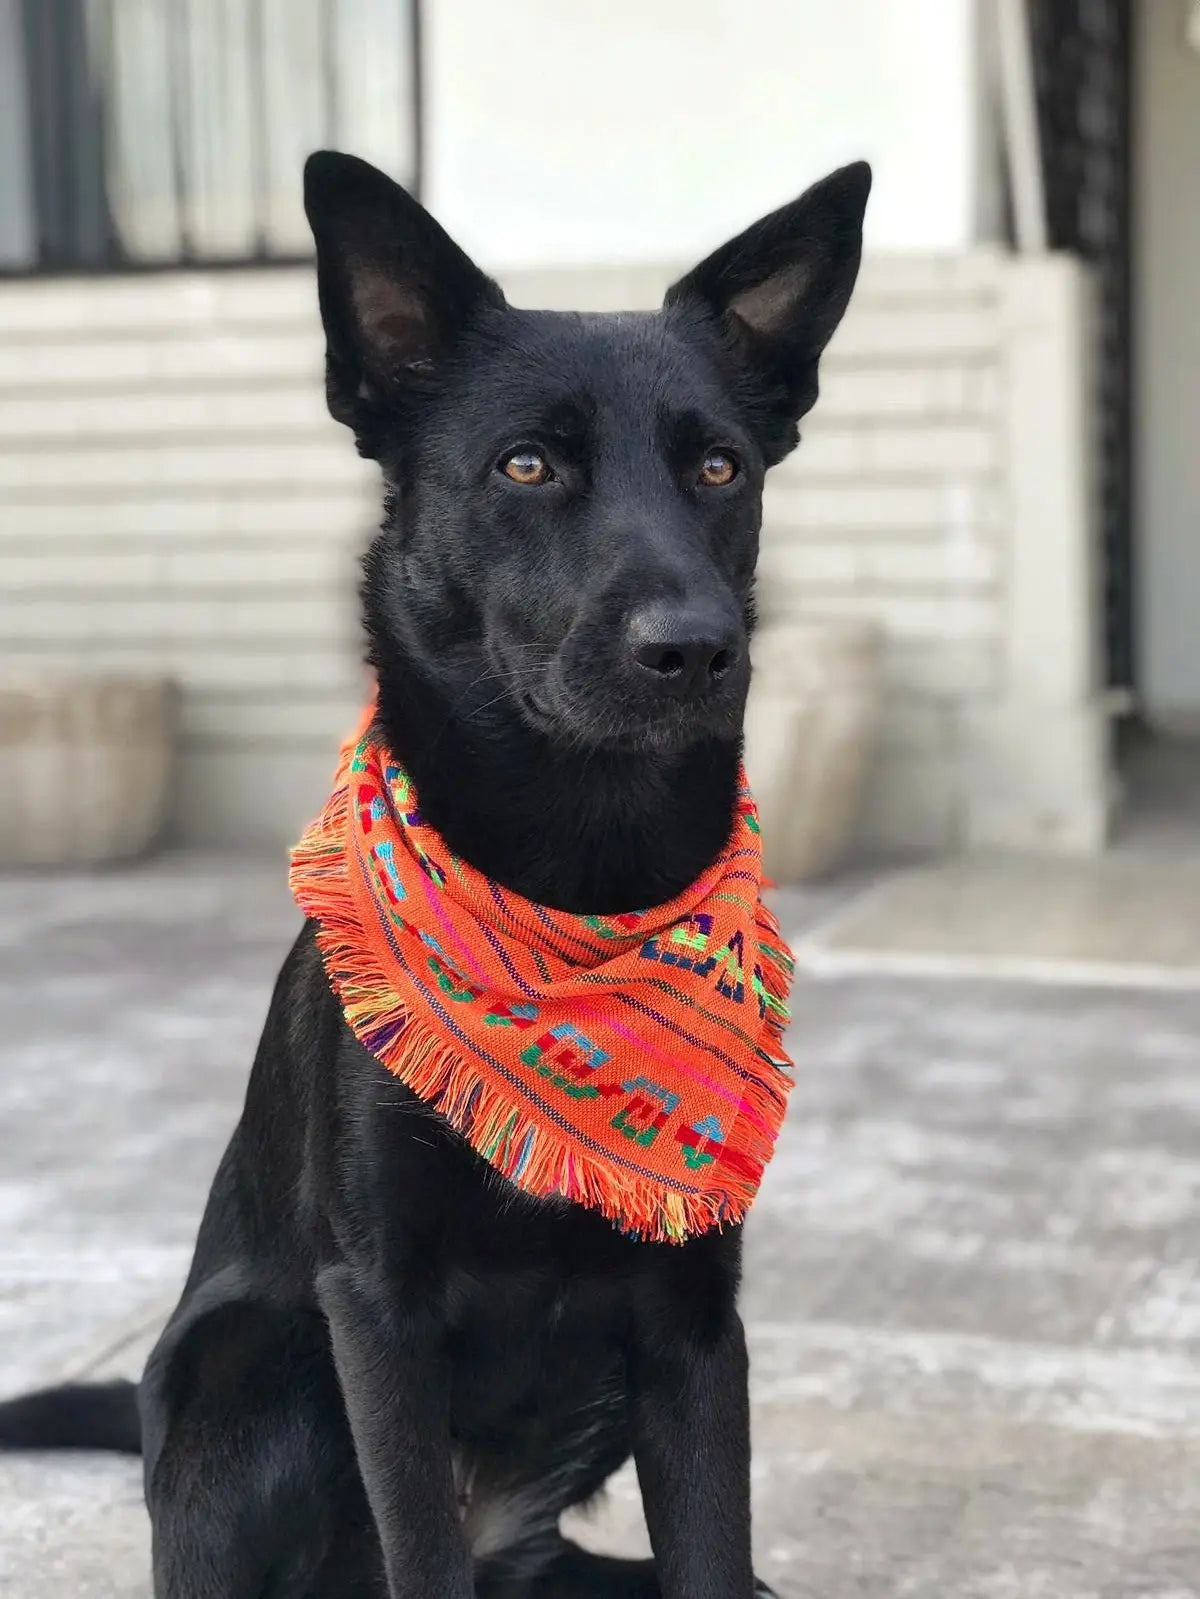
x=683 y=652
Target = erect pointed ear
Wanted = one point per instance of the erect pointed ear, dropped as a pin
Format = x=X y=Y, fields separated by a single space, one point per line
x=779 y=290
x=395 y=289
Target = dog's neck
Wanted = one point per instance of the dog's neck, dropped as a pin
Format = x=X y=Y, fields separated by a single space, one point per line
x=580 y=830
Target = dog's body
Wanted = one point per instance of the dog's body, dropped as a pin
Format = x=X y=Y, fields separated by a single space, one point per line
x=479 y=1337
x=390 y=1371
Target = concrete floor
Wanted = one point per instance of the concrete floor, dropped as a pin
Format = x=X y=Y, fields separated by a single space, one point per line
x=1124 y=920
x=973 y=1288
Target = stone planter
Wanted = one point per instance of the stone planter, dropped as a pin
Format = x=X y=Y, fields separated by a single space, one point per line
x=85 y=766
x=810 y=728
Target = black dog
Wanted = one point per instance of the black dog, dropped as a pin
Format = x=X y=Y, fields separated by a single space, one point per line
x=390 y=1372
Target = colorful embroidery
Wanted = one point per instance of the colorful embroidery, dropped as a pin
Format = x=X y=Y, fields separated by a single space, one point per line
x=384 y=856
x=702 y=1142
x=613 y=926
x=730 y=964
x=502 y=1015
x=647 y=1112
x=623 y=1061
x=567 y=1058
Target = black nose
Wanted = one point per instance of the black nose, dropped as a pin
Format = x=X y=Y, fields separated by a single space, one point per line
x=683 y=652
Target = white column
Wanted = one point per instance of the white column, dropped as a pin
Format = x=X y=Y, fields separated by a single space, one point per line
x=1038 y=760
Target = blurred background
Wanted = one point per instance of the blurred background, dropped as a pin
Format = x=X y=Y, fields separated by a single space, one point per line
x=977 y=482
x=973 y=1294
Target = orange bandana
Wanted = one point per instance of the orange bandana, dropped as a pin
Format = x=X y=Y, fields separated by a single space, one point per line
x=632 y=1063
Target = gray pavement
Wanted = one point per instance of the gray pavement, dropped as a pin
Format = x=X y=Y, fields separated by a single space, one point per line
x=973 y=1285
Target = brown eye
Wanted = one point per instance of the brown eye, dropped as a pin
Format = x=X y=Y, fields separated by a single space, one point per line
x=526 y=466
x=719 y=468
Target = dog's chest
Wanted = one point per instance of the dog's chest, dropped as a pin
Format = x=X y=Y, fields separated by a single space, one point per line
x=531 y=1342
x=538 y=1398
x=538 y=1302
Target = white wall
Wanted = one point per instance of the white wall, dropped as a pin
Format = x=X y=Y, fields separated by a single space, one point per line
x=642 y=130
x=174 y=498
x=1167 y=190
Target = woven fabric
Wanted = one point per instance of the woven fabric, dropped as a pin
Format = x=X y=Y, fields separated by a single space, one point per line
x=632 y=1063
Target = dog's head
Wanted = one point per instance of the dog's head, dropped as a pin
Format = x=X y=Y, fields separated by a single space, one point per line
x=574 y=501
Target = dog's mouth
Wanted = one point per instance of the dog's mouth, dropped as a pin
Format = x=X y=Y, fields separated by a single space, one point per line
x=610 y=727
x=578 y=709
x=536 y=711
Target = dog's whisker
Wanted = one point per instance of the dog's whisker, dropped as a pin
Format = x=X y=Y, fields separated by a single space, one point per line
x=478 y=710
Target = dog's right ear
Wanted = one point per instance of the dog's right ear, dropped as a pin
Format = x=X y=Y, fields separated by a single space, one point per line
x=395 y=290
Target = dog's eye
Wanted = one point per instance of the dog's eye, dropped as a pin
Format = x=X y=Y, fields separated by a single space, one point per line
x=719 y=468
x=526 y=466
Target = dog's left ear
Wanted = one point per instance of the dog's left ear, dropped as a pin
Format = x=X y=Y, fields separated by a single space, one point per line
x=779 y=290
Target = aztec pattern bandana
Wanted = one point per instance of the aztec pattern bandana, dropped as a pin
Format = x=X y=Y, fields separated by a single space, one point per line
x=632 y=1063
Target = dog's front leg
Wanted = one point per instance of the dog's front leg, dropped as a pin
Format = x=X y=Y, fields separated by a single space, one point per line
x=393 y=1375
x=692 y=1449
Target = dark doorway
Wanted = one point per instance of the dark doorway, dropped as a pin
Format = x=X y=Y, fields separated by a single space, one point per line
x=1083 y=69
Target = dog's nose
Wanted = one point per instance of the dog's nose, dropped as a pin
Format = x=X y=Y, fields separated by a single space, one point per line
x=683 y=652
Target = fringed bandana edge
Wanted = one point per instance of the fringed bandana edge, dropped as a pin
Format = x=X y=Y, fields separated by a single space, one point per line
x=630 y=1063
